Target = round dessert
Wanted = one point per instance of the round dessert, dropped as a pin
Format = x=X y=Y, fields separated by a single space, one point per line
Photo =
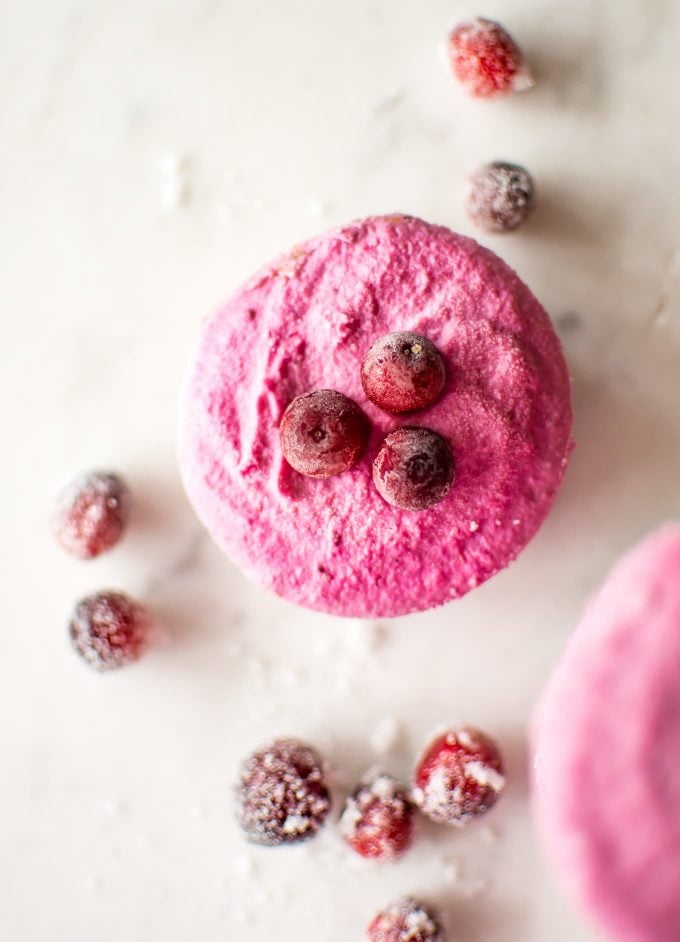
x=607 y=794
x=93 y=514
x=305 y=323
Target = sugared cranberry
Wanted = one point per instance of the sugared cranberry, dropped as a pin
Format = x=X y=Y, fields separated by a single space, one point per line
x=406 y=920
x=403 y=372
x=109 y=630
x=378 y=818
x=282 y=796
x=323 y=433
x=459 y=777
x=414 y=468
x=92 y=513
x=501 y=196
x=486 y=60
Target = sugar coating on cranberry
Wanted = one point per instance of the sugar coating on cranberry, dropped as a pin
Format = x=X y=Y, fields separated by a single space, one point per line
x=378 y=818
x=406 y=920
x=109 y=630
x=459 y=777
x=414 y=468
x=403 y=372
x=92 y=513
x=486 y=60
x=501 y=196
x=281 y=795
x=323 y=433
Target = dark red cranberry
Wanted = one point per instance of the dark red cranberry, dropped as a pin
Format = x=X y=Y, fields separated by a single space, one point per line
x=486 y=60
x=92 y=514
x=414 y=468
x=501 y=196
x=378 y=818
x=459 y=777
x=323 y=433
x=403 y=372
x=282 y=796
x=109 y=630
x=406 y=920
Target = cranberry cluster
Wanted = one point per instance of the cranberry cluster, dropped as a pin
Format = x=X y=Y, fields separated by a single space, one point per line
x=283 y=797
x=488 y=63
x=323 y=432
x=108 y=629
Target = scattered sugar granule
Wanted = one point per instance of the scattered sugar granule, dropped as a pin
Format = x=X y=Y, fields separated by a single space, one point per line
x=111 y=808
x=316 y=207
x=174 y=181
x=242 y=917
x=363 y=637
x=244 y=865
x=386 y=735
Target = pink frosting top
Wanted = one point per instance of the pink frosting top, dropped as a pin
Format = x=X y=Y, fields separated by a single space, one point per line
x=304 y=323
x=608 y=750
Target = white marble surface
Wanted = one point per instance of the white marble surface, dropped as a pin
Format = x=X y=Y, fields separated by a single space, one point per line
x=153 y=154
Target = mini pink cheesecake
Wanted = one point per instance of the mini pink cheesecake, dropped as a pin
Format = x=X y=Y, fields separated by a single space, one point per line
x=305 y=323
x=607 y=737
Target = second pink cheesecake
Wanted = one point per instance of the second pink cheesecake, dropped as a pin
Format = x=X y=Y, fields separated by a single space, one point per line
x=607 y=731
x=305 y=322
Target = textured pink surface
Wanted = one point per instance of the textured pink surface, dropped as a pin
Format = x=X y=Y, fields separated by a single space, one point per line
x=305 y=322
x=608 y=750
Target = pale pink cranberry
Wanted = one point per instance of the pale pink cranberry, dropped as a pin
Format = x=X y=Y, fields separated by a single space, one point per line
x=92 y=514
